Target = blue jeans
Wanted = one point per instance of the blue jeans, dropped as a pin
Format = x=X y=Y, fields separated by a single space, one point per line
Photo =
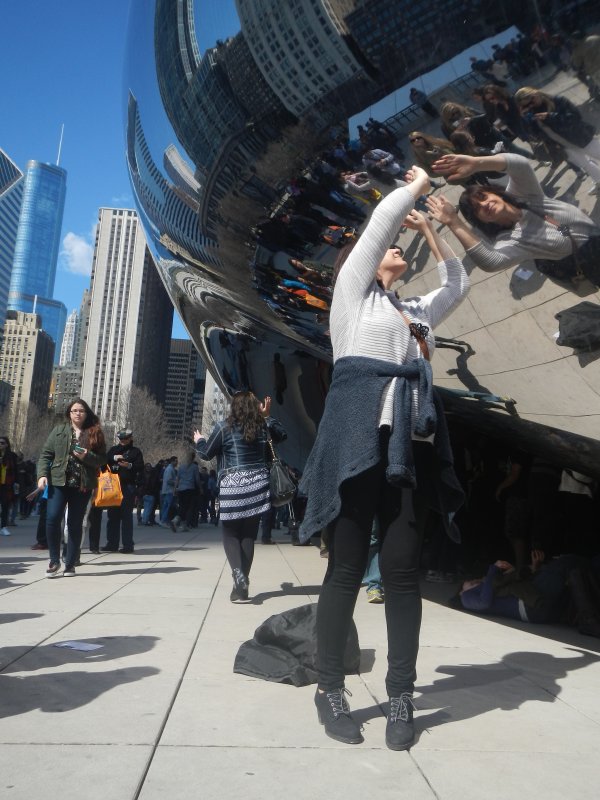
x=59 y=498
x=147 y=515
x=167 y=502
x=372 y=576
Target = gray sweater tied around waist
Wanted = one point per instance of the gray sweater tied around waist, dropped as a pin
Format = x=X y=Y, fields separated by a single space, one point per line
x=347 y=441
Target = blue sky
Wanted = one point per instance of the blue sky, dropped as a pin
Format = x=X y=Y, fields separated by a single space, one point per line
x=62 y=62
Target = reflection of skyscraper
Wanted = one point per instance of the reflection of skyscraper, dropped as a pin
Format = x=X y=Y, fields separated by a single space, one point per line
x=11 y=195
x=299 y=48
x=130 y=317
x=174 y=219
x=36 y=247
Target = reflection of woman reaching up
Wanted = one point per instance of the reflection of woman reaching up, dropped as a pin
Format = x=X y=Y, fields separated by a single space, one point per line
x=521 y=223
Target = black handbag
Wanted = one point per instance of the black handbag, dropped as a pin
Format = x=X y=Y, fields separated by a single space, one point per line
x=282 y=487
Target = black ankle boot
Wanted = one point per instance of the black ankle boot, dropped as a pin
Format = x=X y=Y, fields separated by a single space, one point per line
x=399 y=731
x=334 y=714
x=240 y=586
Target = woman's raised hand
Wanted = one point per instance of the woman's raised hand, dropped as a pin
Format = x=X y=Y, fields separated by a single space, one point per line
x=416 y=221
x=441 y=209
x=455 y=167
x=418 y=179
x=265 y=407
x=197 y=436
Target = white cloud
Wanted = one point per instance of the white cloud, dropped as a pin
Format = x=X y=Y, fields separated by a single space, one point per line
x=77 y=253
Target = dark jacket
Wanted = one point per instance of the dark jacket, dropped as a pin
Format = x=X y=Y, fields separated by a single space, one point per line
x=565 y=121
x=54 y=457
x=232 y=451
x=347 y=442
x=133 y=476
x=11 y=476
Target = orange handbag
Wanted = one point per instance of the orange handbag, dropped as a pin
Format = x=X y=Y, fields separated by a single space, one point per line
x=108 y=492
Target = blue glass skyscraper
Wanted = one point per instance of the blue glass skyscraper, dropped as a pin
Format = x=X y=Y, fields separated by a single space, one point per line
x=37 y=245
x=11 y=196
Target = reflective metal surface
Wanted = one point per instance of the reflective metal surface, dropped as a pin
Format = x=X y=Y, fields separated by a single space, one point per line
x=229 y=149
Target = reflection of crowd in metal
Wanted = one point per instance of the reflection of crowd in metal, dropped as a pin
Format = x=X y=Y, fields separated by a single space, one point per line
x=327 y=203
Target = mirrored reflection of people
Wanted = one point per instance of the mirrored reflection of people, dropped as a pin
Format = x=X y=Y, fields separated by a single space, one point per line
x=381 y=398
x=556 y=119
x=127 y=461
x=280 y=378
x=68 y=466
x=240 y=445
x=505 y=228
x=8 y=479
x=419 y=98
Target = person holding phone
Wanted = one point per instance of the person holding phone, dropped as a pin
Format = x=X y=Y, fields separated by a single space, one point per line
x=68 y=468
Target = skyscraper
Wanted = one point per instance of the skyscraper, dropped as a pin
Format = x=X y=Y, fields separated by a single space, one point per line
x=130 y=319
x=36 y=247
x=11 y=196
x=26 y=364
x=68 y=340
x=66 y=378
x=184 y=397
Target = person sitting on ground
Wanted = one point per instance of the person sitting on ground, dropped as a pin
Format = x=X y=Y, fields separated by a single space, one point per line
x=519 y=224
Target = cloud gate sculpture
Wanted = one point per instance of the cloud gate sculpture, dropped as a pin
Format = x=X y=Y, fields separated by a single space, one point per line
x=232 y=150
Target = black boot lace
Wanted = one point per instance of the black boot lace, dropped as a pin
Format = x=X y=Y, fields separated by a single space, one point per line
x=337 y=701
x=400 y=707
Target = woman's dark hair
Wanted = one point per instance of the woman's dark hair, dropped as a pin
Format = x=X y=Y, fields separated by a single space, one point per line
x=94 y=437
x=464 y=143
x=342 y=256
x=489 y=229
x=245 y=415
x=498 y=91
x=7 y=451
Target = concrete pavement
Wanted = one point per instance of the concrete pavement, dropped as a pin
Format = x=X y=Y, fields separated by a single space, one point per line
x=505 y=710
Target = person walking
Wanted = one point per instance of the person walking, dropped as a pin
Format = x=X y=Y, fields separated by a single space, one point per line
x=240 y=445
x=8 y=479
x=68 y=467
x=167 y=493
x=128 y=462
x=394 y=445
x=188 y=484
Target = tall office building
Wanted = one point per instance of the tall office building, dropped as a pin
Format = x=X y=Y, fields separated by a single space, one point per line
x=130 y=319
x=66 y=378
x=11 y=197
x=184 y=397
x=36 y=247
x=68 y=340
x=216 y=405
x=26 y=356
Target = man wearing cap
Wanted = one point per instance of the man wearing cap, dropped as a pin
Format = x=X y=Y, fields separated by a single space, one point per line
x=128 y=462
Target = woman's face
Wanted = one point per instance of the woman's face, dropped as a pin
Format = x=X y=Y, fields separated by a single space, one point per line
x=488 y=207
x=393 y=263
x=78 y=415
x=417 y=141
x=3 y=444
x=531 y=103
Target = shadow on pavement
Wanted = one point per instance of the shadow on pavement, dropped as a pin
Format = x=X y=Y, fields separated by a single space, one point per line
x=83 y=573
x=287 y=589
x=7 y=618
x=57 y=692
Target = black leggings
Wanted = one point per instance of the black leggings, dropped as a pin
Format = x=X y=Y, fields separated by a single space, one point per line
x=401 y=540
x=239 y=536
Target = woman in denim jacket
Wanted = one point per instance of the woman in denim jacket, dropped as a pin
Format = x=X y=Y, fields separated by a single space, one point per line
x=240 y=445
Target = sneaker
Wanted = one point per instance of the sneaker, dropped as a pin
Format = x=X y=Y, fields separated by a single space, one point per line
x=126 y=550
x=5 y=532
x=334 y=714
x=107 y=549
x=53 y=569
x=38 y=546
x=240 y=586
x=267 y=541
x=399 y=731
x=69 y=572
x=374 y=595
x=595 y=189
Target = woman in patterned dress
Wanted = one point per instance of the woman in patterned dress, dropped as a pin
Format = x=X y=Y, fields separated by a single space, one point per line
x=240 y=445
